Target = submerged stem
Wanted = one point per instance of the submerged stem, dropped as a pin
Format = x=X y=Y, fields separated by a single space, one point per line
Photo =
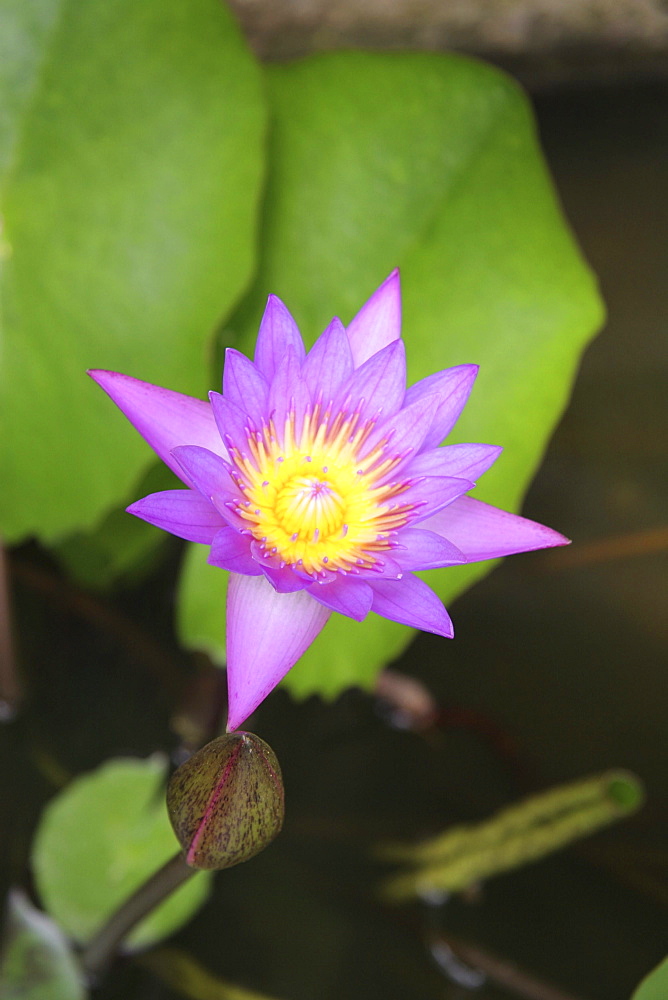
x=10 y=687
x=102 y=948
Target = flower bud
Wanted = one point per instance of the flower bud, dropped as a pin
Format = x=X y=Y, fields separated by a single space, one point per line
x=226 y=802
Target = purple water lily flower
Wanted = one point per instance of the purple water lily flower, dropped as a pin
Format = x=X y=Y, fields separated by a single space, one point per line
x=317 y=481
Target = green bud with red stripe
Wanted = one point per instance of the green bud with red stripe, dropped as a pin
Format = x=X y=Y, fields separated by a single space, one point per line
x=226 y=802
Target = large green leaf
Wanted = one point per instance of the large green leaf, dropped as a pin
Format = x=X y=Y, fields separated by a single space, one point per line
x=130 y=167
x=37 y=962
x=430 y=163
x=121 y=548
x=201 y=606
x=655 y=985
x=99 y=839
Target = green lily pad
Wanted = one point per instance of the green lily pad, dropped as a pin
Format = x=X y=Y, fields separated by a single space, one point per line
x=430 y=163
x=655 y=985
x=120 y=549
x=99 y=839
x=37 y=962
x=131 y=140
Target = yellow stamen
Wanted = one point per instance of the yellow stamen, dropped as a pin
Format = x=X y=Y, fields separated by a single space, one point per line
x=311 y=501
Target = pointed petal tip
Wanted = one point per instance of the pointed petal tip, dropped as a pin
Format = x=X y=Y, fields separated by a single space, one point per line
x=109 y=375
x=483 y=531
x=184 y=513
x=412 y=602
x=276 y=307
x=137 y=509
x=233 y=723
x=164 y=418
x=278 y=330
x=267 y=632
x=444 y=628
x=469 y=371
x=378 y=322
x=103 y=375
x=451 y=388
x=393 y=278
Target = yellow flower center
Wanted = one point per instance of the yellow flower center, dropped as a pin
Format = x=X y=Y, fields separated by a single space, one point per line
x=312 y=498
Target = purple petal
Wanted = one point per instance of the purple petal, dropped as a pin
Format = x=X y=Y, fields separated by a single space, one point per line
x=485 y=532
x=283 y=580
x=278 y=331
x=245 y=385
x=329 y=362
x=184 y=513
x=289 y=394
x=352 y=598
x=385 y=567
x=231 y=550
x=378 y=386
x=266 y=634
x=206 y=471
x=467 y=461
x=233 y=423
x=403 y=434
x=419 y=549
x=165 y=419
x=431 y=494
x=452 y=387
x=228 y=504
x=378 y=322
x=411 y=602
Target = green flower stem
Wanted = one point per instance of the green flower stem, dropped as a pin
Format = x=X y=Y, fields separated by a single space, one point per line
x=102 y=948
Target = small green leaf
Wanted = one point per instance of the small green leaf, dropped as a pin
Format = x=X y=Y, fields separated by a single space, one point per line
x=430 y=163
x=655 y=985
x=37 y=962
x=99 y=839
x=130 y=170
x=200 y=609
